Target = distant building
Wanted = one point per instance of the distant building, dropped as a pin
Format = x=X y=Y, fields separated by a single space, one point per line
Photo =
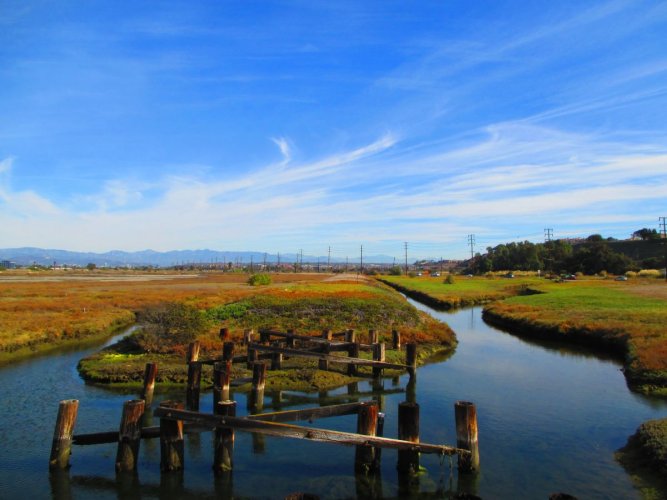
x=5 y=264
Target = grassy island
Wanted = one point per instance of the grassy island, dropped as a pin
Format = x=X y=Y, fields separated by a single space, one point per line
x=306 y=306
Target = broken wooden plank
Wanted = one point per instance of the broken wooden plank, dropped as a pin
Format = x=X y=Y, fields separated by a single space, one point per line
x=298 y=432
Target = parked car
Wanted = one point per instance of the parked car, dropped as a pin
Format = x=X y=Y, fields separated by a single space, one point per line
x=621 y=278
x=436 y=275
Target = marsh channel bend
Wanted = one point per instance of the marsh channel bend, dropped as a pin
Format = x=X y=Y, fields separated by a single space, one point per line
x=550 y=419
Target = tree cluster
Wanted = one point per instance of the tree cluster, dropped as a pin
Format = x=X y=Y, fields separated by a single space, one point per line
x=559 y=256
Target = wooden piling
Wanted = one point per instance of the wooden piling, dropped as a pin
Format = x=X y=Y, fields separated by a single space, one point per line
x=354 y=351
x=228 y=351
x=408 y=430
x=252 y=357
x=372 y=336
x=223 y=445
x=193 y=387
x=396 y=340
x=327 y=334
x=378 y=355
x=277 y=361
x=466 y=436
x=379 y=432
x=290 y=338
x=259 y=376
x=129 y=436
x=171 y=440
x=61 y=447
x=193 y=351
x=150 y=373
x=323 y=364
x=224 y=334
x=411 y=358
x=264 y=337
x=247 y=336
x=350 y=336
x=366 y=425
x=222 y=374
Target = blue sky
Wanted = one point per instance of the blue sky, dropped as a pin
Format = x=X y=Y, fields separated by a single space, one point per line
x=284 y=125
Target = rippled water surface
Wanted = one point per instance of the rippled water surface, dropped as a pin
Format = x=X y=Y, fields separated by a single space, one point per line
x=550 y=419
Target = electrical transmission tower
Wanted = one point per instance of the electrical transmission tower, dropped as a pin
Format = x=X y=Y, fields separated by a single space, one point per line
x=548 y=235
x=663 y=233
x=471 y=242
x=406 y=257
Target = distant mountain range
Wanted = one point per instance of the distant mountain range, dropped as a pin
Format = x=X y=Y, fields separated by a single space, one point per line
x=117 y=258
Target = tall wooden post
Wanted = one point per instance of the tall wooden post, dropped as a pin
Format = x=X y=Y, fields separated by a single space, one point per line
x=352 y=369
x=350 y=336
x=223 y=451
x=224 y=334
x=258 y=376
x=222 y=373
x=378 y=355
x=290 y=338
x=150 y=373
x=129 y=436
x=327 y=334
x=411 y=358
x=366 y=425
x=264 y=337
x=466 y=435
x=171 y=440
x=372 y=336
x=61 y=446
x=193 y=387
x=380 y=433
x=396 y=340
x=193 y=351
x=228 y=351
x=408 y=430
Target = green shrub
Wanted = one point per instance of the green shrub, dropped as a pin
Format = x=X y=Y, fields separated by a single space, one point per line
x=449 y=280
x=226 y=312
x=168 y=325
x=259 y=279
x=631 y=274
x=649 y=273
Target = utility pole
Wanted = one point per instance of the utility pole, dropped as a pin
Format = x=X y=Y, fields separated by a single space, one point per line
x=471 y=242
x=548 y=234
x=264 y=260
x=440 y=265
x=663 y=232
x=405 y=244
x=361 y=260
x=329 y=259
x=278 y=261
x=251 y=270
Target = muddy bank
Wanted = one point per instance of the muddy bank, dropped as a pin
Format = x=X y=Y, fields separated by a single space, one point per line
x=607 y=342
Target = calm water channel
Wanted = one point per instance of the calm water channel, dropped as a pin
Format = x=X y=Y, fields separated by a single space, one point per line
x=550 y=420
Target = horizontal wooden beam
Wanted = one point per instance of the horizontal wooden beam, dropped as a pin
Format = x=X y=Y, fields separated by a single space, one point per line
x=298 y=432
x=334 y=359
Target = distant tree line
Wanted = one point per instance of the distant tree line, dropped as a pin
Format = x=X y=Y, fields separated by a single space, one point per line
x=560 y=256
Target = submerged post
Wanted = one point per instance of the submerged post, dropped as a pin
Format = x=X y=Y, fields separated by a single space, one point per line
x=193 y=388
x=367 y=425
x=408 y=430
x=61 y=447
x=466 y=435
x=222 y=372
x=223 y=445
x=129 y=436
x=171 y=440
x=150 y=373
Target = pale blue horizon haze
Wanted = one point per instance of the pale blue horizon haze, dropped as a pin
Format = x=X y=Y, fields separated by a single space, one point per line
x=279 y=126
